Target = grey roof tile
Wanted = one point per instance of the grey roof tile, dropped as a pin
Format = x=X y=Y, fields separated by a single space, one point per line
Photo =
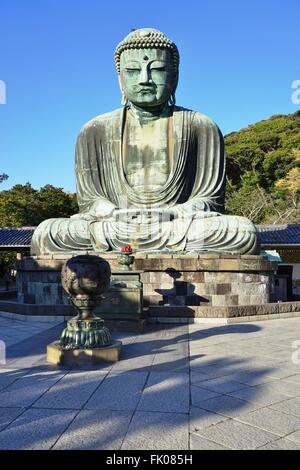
x=288 y=234
x=16 y=237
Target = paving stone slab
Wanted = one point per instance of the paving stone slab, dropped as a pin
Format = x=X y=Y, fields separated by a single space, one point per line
x=179 y=346
x=197 y=377
x=272 y=421
x=171 y=364
x=200 y=443
x=95 y=430
x=282 y=372
x=125 y=338
x=136 y=364
x=222 y=368
x=295 y=436
x=26 y=361
x=293 y=378
x=119 y=391
x=280 y=444
x=62 y=395
x=228 y=406
x=161 y=431
x=166 y=392
x=262 y=394
x=8 y=376
x=25 y=391
x=221 y=385
x=138 y=351
x=7 y=415
x=253 y=377
x=200 y=419
x=290 y=406
x=215 y=360
x=236 y=435
x=199 y=394
x=286 y=387
x=35 y=429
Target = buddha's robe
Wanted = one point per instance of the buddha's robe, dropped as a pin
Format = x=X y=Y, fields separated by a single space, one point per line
x=194 y=188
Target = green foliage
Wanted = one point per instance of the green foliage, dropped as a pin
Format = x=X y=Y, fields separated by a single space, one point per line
x=260 y=164
x=23 y=205
x=7 y=261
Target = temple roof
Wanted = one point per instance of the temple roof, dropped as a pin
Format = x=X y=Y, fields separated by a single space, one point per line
x=275 y=235
x=13 y=237
x=288 y=234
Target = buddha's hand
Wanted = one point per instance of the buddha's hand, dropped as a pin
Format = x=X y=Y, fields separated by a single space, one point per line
x=143 y=216
x=99 y=210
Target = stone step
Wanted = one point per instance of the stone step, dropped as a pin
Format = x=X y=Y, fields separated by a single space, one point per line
x=222 y=312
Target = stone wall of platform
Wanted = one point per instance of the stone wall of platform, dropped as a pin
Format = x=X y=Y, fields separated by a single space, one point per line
x=206 y=279
x=214 y=289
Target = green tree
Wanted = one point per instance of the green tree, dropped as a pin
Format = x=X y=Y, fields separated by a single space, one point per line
x=23 y=205
x=263 y=170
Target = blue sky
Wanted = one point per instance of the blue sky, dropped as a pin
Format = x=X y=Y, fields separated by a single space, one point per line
x=238 y=60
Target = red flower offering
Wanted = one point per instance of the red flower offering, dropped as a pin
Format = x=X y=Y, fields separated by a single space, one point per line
x=126 y=249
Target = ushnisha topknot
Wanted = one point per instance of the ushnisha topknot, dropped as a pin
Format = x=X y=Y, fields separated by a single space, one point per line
x=146 y=38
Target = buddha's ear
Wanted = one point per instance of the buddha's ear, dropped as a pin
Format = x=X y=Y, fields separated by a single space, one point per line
x=172 y=99
x=175 y=83
x=124 y=100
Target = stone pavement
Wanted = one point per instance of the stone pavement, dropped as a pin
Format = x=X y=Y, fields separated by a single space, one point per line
x=201 y=386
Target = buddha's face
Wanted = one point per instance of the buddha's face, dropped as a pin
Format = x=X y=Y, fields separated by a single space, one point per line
x=147 y=76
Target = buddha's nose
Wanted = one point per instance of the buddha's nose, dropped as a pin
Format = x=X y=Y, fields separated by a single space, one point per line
x=145 y=76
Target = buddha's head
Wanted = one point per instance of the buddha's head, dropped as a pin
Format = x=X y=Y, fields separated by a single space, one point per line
x=147 y=62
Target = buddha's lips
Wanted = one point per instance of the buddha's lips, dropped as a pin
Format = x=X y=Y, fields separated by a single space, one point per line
x=146 y=90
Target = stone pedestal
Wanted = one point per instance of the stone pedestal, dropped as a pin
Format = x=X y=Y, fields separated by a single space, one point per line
x=71 y=357
x=39 y=283
x=123 y=301
x=168 y=281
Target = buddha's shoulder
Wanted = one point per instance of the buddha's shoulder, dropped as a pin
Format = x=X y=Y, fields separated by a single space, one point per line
x=102 y=120
x=196 y=118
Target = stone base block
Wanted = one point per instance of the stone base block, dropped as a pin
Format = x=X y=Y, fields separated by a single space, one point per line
x=160 y=280
x=76 y=357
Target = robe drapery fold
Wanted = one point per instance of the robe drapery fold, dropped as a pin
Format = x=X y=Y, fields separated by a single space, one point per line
x=195 y=189
x=198 y=173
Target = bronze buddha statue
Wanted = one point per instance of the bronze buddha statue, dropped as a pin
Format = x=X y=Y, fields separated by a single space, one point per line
x=151 y=174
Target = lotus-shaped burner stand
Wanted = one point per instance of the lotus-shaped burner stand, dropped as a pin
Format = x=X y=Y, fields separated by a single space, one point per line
x=126 y=258
x=85 y=278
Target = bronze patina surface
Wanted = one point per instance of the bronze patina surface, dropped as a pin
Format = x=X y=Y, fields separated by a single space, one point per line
x=151 y=174
x=85 y=278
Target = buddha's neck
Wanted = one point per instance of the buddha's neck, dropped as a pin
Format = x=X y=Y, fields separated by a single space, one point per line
x=145 y=115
